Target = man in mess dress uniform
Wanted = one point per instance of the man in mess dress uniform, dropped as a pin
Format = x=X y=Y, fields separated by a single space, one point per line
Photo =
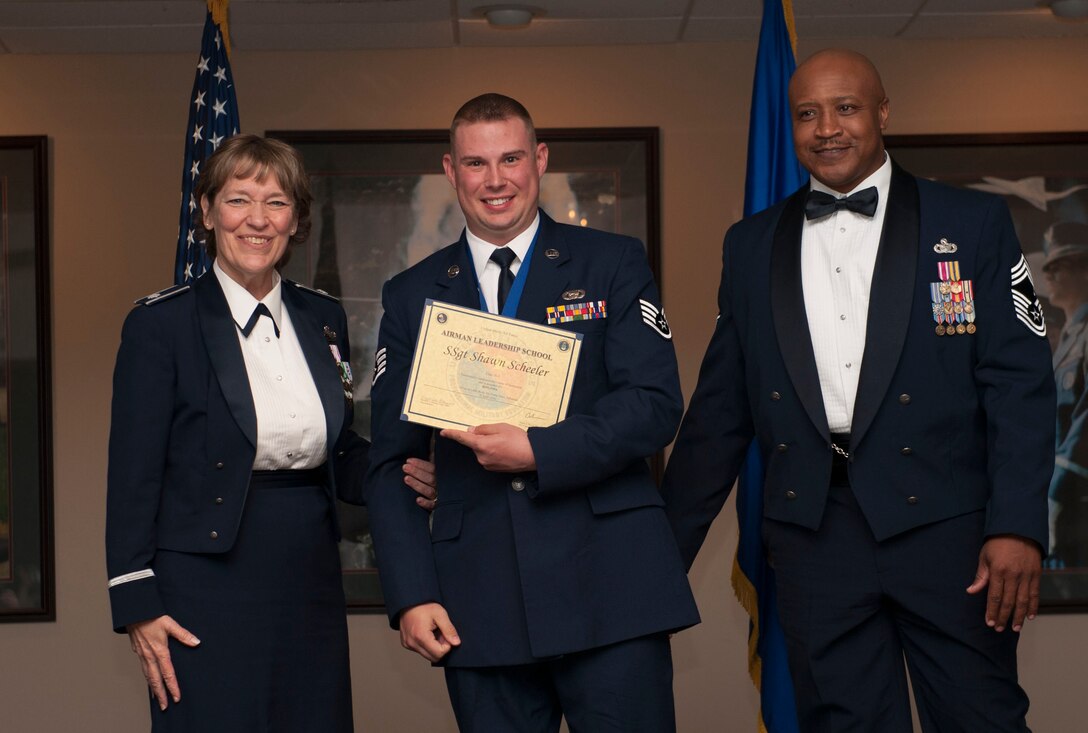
x=880 y=339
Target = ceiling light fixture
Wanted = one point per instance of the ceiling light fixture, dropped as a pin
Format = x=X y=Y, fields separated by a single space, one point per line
x=509 y=16
x=1069 y=8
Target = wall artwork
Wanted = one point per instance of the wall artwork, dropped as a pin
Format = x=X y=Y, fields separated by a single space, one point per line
x=26 y=482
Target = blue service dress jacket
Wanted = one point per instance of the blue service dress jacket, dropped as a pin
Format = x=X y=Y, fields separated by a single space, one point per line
x=943 y=424
x=183 y=432
x=577 y=554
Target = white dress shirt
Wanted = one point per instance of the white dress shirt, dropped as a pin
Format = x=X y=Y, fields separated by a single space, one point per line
x=487 y=270
x=838 y=256
x=291 y=431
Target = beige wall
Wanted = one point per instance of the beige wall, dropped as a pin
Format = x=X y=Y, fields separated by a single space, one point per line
x=115 y=128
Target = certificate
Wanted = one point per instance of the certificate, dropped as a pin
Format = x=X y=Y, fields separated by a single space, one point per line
x=471 y=368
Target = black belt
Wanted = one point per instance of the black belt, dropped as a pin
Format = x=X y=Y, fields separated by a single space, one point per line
x=286 y=478
x=839 y=463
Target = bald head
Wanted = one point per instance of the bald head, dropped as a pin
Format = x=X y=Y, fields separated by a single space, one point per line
x=840 y=112
x=839 y=61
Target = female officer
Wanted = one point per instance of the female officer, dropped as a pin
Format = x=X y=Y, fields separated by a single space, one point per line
x=230 y=441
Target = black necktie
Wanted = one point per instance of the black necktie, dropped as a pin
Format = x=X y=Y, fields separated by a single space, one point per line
x=821 y=204
x=260 y=310
x=504 y=257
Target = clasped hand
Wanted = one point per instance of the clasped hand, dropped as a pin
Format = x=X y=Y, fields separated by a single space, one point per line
x=498 y=447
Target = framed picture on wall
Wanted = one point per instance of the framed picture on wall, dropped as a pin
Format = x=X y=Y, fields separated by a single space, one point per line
x=382 y=203
x=1044 y=179
x=26 y=480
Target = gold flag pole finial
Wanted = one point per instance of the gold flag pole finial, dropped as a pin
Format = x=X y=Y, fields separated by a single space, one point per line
x=218 y=10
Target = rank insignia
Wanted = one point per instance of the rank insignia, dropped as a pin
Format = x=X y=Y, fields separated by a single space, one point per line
x=589 y=311
x=952 y=300
x=379 y=365
x=1025 y=302
x=654 y=317
x=162 y=295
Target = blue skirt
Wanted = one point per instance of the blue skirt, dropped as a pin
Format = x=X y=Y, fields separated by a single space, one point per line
x=270 y=616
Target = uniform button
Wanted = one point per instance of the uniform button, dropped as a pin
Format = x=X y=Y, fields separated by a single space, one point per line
x=791 y=494
x=266 y=339
x=775 y=396
x=517 y=485
x=219 y=500
x=906 y=450
x=782 y=447
x=904 y=399
x=290 y=454
x=214 y=535
x=279 y=377
x=340 y=453
x=218 y=464
x=912 y=499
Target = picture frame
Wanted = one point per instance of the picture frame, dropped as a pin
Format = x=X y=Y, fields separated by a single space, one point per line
x=382 y=203
x=27 y=584
x=1043 y=178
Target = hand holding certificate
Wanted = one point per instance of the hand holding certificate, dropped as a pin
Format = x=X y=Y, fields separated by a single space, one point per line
x=472 y=368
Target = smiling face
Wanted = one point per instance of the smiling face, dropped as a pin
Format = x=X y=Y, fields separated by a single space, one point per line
x=253 y=221
x=839 y=115
x=496 y=168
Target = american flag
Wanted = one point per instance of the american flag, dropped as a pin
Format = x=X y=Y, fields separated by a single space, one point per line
x=213 y=117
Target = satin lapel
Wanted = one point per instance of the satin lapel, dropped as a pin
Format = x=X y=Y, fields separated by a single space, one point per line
x=221 y=340
x=788 y=311
x=311 y=337
x=456 y=283
x=547 y=279
x=890 y=298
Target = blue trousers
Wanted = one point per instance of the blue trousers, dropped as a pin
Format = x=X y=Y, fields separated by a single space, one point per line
x=853 y=609
x=621 y=688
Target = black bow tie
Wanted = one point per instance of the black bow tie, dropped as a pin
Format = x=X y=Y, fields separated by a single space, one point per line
x=821 y=204
x=260 y=310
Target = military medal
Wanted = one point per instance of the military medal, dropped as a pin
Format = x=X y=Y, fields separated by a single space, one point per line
x=952 y=299
x=343 y=368
x=969 y=306
x=938 y=307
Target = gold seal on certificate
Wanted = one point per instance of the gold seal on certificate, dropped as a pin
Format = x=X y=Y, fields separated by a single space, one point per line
x=473 y=368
